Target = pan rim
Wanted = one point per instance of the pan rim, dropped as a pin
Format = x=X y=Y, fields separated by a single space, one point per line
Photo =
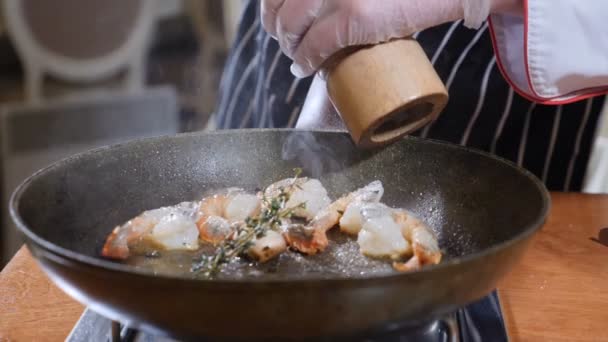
x=99 y=262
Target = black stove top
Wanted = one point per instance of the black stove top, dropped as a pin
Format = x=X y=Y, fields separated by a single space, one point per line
x=480 y=321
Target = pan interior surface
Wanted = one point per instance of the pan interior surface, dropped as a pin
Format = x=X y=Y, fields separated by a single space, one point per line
x=473 y=202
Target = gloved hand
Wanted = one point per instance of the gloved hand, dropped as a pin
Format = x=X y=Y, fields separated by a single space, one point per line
x=310 y=31
x=318 y=112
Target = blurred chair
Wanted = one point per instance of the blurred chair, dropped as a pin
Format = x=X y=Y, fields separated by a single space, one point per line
x=80 y=41
x=35 y=135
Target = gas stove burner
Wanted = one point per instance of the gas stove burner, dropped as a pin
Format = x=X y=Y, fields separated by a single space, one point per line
x=480 y=321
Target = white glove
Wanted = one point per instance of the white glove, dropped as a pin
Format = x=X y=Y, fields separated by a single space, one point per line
x=310 y=31
x=318 y=112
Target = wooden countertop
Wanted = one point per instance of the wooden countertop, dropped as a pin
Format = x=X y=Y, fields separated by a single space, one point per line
x=559 y=292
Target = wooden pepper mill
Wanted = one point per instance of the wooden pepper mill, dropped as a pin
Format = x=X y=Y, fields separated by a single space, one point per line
x=385 y=91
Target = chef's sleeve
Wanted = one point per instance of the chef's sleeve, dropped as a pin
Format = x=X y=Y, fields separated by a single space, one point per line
x=557 y=52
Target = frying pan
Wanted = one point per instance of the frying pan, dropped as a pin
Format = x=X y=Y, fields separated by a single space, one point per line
x=484 y=210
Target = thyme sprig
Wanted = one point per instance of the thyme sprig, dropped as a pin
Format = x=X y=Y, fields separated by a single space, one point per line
x=273 y=213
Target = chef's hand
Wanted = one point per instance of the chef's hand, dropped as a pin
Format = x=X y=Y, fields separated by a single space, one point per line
x=310 y=31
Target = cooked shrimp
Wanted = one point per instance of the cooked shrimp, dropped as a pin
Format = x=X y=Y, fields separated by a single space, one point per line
x=380 y=235
x=424 y=242
x=267 y=247
x=425 y=246
x=118 y=242
x=306 y=239
x=212 y=225
x=410 y=265
x=240 y=206
x=176 y=232
x=219 y=213
x=351 y=220
x=214 y=229
x=163 y=228
x=312 y=238
x=309 y=192
x=313 y=195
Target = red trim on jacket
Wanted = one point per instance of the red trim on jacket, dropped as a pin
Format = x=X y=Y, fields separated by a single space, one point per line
x=534 y=96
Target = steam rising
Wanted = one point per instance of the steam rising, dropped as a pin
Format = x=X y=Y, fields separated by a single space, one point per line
x=315 y=158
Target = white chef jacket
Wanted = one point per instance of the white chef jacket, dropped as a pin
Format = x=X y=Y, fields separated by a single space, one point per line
x=557 y=52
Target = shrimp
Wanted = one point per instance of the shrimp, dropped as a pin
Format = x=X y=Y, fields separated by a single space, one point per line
x=267 y=247
x=163 y=228
x=117 y=243
x=176 y=232
x=411 y=265
x=309 y=192
x=424 y=242
x=351 y=221
x=212 y=226
x=240 y=206
x=307 y=240
x=380 y=235
x=219 y=214
x=312 y=238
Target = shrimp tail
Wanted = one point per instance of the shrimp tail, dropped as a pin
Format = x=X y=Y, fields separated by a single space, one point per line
x=307 y=241
x=410 y=265
x=116 y=246
x=426 y=256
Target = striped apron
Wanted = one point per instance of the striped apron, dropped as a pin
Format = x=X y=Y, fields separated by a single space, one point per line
x=554 y=142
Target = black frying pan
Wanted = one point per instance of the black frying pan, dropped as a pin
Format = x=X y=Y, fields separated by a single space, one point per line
x=484 y=209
